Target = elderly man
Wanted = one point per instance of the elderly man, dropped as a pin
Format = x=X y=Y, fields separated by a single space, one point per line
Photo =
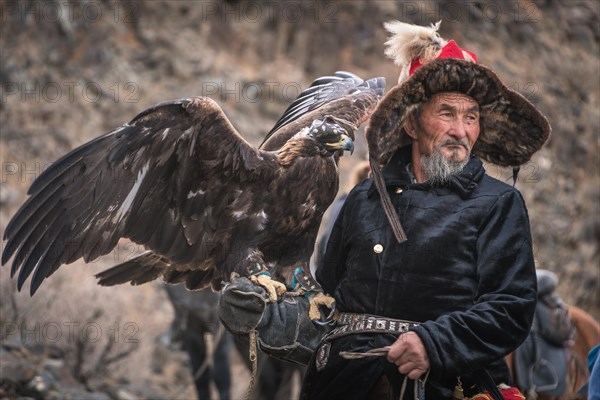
x=457 y=291
x=430 y=262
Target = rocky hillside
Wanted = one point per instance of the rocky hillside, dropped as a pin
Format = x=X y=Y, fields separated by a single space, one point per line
x=73 y=70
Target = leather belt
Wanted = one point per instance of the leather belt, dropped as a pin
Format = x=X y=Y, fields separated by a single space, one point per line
x=349 y=323
x=372 y=323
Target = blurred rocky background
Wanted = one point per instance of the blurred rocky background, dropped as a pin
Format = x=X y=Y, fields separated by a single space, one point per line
x=73 y=70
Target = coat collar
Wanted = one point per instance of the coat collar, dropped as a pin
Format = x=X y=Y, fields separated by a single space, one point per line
x=397 y=173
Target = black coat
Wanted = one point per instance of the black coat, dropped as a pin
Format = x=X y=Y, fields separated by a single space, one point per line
x=466 y=273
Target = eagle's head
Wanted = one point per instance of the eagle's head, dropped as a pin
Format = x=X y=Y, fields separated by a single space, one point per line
x=330 y=136
x=323 y=138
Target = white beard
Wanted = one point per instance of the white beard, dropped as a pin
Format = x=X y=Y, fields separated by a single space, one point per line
x=438 y=169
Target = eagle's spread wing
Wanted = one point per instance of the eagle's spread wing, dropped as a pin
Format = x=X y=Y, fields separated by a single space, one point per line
x=346 y=97
x=168 y=180
x=179 y=180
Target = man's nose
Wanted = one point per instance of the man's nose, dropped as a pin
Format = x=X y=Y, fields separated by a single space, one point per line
x=458 y=129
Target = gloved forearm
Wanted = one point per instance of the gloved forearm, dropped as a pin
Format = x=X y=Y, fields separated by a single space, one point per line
x=284 y=328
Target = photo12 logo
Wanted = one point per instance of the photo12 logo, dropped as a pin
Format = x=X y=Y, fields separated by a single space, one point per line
x=70 y=332
x=69 y=91
x=69 y=11
x=423 y=12
x=254 y=11
x=251 y=92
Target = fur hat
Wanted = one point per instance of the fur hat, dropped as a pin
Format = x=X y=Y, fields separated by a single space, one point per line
x=512 y=129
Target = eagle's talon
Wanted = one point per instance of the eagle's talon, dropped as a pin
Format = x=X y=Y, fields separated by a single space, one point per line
x=320 y=299
x=333 y=314
x=274 y=288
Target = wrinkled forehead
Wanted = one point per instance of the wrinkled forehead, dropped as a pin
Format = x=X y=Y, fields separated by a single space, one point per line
x=453 y=99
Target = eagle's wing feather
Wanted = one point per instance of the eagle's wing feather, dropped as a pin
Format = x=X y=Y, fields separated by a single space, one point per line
x=164 y=180
x=345 y=96
x=322 y=90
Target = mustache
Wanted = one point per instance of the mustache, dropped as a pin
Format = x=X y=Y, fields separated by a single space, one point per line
x=455 y=142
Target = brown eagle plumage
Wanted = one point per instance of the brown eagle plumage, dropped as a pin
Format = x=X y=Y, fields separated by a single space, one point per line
x=181 y=181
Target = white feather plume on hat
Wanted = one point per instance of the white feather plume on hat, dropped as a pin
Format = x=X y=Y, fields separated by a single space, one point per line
x=412 y=41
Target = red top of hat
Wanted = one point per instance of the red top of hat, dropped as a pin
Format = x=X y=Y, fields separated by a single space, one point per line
x=450 y=50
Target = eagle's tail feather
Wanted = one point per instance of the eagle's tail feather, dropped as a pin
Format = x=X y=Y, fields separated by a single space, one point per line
x=140 y=269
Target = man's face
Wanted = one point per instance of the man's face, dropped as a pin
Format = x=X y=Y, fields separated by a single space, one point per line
x=448 y=124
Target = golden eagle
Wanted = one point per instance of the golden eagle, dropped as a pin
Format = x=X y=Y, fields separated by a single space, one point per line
x=181 y=181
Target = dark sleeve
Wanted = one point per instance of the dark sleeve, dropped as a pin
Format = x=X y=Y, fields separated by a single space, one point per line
x=502 y=313
x=336 y=207
x=331 y=266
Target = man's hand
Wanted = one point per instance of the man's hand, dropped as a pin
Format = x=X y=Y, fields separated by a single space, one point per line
x=409 y=354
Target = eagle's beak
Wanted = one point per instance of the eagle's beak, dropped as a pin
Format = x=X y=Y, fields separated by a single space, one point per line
x=345 y=143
